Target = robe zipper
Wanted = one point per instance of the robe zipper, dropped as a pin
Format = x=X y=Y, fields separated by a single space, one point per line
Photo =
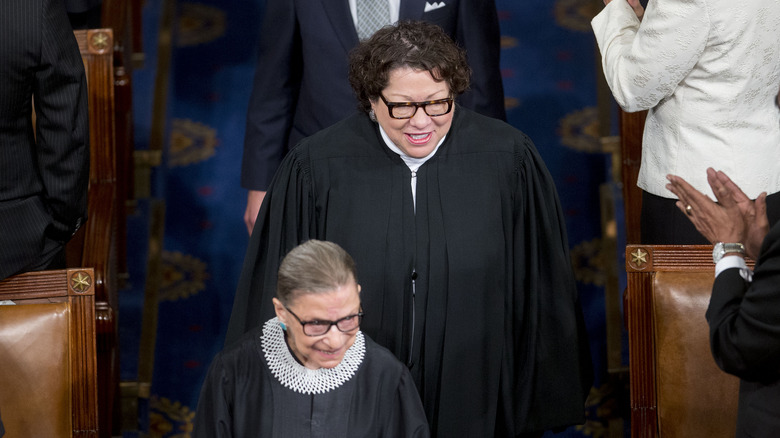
x=413 y=184
x=409 y=362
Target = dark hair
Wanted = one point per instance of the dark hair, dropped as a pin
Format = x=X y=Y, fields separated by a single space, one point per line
x=415 y=44
x=312 y=267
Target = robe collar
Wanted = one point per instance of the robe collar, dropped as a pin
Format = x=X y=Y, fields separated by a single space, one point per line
x=292 y=375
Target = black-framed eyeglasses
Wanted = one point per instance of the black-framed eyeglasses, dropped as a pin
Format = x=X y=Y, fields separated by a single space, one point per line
x=319 y=328
x=407 y=110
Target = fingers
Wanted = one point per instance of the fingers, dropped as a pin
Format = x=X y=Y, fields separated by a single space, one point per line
x=732 y=187
x=761 y=205
x=637 y=7
x=685 y=192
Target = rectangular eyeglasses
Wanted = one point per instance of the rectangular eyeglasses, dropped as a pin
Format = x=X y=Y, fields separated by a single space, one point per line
x=407 y=110
x=319 y=328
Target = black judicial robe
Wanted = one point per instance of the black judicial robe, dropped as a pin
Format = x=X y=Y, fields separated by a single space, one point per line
x=241 y=398
x=474 y=290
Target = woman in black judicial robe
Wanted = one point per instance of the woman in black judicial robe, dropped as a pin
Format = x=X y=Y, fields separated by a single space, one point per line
x=310 y=372
x=455 y=223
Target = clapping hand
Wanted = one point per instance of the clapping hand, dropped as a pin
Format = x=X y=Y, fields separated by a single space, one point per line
x=635 y=5
x=734 y=218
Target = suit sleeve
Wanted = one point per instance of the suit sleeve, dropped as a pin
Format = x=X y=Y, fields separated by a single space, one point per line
x=478 y=32
x=744 y=318
x=274 y=95
x=644 y=64
x=62 y=126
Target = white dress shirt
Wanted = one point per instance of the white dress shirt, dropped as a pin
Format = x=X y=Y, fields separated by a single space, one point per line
x=734 y=261
x=709 y=72
x=412 y=163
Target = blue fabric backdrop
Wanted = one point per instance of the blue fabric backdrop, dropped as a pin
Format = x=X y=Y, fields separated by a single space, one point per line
x=549 y=66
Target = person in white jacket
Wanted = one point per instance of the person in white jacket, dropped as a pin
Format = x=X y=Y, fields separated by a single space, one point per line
x=708 y=71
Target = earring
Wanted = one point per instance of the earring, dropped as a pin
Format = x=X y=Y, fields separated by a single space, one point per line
x=372 y=115
x=284 y=327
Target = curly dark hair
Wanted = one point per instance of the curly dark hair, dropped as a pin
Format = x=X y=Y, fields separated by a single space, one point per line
x=415 y=44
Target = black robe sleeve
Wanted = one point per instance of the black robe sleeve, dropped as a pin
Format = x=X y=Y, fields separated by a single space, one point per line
x=408 y=417
x=551 y=373
x=215 y=406
x=283 y=222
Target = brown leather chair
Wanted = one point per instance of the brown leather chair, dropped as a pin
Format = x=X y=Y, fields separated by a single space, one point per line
x=48 y=379
x=677 y=390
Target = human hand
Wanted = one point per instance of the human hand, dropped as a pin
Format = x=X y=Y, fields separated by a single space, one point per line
x=717 y=223
x=753 y=212
x=638 y=9
x=253 y=202
x=635 y=5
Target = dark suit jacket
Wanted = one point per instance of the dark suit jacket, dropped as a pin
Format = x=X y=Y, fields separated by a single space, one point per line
x=43 y=174
x=744 y=319
x=301 y=84
x=79 y=6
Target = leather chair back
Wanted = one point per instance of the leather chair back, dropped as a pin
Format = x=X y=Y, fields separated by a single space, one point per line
x=48 y=378
x=677 y=390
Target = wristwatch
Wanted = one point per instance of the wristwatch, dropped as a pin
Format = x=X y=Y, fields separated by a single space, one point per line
x=721 y=249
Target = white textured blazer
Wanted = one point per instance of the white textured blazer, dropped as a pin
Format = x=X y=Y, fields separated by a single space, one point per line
x=709 y=72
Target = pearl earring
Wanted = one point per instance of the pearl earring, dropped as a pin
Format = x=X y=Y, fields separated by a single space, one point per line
x=372 y=115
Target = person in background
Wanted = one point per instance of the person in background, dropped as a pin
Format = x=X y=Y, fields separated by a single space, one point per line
x=708 y=72
x=456 y=225
x=301 y=84
x=310 y=371
x=744 y=310
x=44 y=164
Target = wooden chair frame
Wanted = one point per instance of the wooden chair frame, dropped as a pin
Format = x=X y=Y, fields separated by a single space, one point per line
x=95 y=244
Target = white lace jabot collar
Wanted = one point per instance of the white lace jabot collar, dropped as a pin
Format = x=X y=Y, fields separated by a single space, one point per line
x=298 y=378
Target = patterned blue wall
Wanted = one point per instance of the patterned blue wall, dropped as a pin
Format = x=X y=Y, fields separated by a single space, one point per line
x=550 y=76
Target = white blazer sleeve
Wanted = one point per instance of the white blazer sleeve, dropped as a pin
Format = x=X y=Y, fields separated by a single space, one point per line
x=643 y=64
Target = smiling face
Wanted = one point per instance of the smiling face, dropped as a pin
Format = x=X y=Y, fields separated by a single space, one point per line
x=325 y=351
x=416 y=137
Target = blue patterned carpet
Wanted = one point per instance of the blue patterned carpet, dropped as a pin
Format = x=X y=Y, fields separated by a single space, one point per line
x=549 y=64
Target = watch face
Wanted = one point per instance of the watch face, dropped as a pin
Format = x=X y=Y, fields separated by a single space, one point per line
x=717 y=252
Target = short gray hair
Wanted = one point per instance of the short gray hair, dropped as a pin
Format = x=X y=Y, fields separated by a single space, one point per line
x=314 y=266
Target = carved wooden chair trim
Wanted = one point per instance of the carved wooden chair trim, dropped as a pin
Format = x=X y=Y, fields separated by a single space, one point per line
x=95 y=245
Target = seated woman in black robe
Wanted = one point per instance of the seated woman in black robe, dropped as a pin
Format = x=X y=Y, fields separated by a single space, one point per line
x=310 y=371
x=455 y=223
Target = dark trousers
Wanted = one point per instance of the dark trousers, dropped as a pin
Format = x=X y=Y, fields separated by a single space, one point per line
x=663 y=224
